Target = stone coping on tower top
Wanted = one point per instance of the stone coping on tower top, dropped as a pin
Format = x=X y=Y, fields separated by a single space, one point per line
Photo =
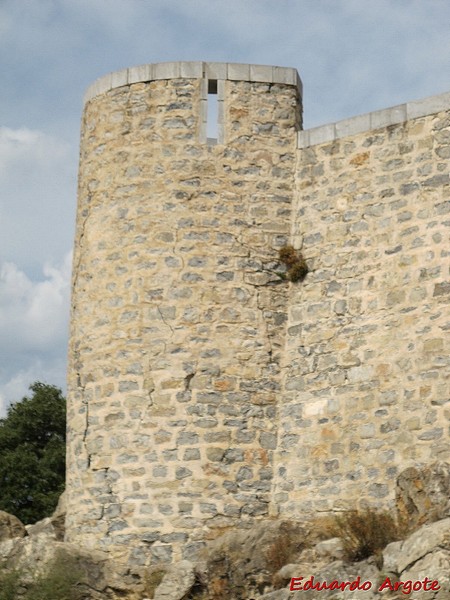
x=194 y=70
x=373 y=120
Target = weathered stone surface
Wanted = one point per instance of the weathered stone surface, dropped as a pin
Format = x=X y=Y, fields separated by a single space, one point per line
x=331 y=548
x=436 y=567
x=34 y=555
x=423 y=494
x=366 y=355
x=44 y=526
x=58 y=518
x=10 y=527
x=422 y=542
x=287 y=571
x=424 y=554
x=177 y=582
x=243 y=562
x=390 y=557
x=188 y=318
x=205 y=391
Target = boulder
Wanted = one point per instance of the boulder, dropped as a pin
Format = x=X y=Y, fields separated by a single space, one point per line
x=177 y=582
x=54 y=525
x=44 y=526
x=34 y=555
x=331 y=548
x=425 y=553
x=390 y=558
x=435 y=566
x=424 y=541
x=246 y=562
x=288 y=571
x=11 y=527
x=423 y=494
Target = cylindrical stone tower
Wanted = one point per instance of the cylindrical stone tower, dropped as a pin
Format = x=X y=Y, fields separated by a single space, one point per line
x=177 y=317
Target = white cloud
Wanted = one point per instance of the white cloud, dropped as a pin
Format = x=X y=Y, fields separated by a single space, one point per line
x=16 y=386
x=33 y=314
x=33 y=146
x=33 y=328
x=37 y=198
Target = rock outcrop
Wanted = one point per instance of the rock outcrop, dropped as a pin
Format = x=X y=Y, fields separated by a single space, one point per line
x=177 y=582
x=423 y=494
x=257 y=563
x=11 y=527
x=425 y=554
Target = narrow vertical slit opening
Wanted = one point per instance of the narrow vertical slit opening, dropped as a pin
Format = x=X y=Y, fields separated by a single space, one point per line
x=212 y=112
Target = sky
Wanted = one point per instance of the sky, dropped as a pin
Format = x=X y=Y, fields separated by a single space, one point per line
x=353 y=56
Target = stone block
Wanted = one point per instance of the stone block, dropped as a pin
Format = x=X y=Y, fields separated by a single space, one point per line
x=220 y=95
x=303 y=139
x=428 y=106
x=169 y=70
x=119 y=78
x=238 y=72
x=388 y=116
x=216 y=70
x=261 y=73
x=100 y=86
x=203 y=94
x=352 y=126
x=284 y=75
x=299 y=84
x=140 y=73
x=320 y=135
x=191 y=70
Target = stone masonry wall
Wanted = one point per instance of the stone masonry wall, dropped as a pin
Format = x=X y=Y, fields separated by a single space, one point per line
x=177 y=333
x=205 y=392
x=366 y=390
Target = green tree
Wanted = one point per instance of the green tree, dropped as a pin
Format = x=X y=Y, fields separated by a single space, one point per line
x=32 y=454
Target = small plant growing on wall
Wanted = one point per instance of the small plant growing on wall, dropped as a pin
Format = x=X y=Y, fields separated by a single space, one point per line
x=297 y=269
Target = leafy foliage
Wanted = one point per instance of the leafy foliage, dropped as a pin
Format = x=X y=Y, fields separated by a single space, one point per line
x=32 y=454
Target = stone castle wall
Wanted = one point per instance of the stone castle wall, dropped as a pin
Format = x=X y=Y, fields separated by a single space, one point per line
x=176 y=340
x=204 y=391
x=366 y=386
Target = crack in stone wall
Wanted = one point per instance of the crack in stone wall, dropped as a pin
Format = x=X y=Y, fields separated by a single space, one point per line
x=167 y=298
x=219 y=394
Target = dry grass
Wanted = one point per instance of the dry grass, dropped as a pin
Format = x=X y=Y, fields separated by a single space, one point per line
x=284 y=548
x=365 y=533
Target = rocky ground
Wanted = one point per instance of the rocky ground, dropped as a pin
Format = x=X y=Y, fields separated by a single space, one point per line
x=259 y=563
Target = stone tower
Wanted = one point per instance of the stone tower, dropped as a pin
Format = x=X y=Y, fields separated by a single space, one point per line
x=206 y=392
x=177 y=318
